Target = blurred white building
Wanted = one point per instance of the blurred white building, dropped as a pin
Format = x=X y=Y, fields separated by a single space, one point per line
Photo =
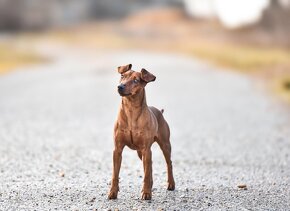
x=232 y=13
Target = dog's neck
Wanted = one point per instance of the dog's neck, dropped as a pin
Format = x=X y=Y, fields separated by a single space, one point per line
x=135 y=102
x=133 y=107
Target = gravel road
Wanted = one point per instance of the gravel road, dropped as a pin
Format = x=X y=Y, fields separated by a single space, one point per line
x=56 y=144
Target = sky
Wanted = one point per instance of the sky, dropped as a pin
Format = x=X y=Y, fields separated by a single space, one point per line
x=232 y=13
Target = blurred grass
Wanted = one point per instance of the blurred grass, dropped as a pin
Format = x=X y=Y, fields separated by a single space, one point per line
x=12 y=57
x=282 y=88
x=245 y=59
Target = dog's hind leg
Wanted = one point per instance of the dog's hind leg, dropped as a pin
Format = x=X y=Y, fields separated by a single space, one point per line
x=164 y=143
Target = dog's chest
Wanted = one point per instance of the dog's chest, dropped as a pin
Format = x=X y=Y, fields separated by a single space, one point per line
x=135 y=139
x=136 y=131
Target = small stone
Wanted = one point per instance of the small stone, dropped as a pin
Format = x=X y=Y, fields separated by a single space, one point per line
x=61 y=174
x=243 y=186
x=93 y=199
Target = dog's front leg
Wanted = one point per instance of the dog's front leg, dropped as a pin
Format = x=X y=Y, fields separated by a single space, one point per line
x=117 y=160
x=148 y=180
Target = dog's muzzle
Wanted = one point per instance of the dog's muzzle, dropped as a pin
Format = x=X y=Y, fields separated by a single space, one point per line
x=121 y=87
x=121 y=90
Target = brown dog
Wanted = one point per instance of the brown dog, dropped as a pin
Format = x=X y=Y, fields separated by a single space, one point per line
x=138 y=127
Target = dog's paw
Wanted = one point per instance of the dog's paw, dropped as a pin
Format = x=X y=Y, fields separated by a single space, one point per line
x=113 y=195
x=146 y=196
x=171 y=186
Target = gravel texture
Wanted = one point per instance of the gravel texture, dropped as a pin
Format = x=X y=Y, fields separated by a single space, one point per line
x=56 y=124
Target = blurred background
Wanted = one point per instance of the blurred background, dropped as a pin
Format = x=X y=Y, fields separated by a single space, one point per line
x=251 y=37
x=223 y=75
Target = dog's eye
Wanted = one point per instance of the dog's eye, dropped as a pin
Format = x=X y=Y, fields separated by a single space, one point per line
x=136 y=81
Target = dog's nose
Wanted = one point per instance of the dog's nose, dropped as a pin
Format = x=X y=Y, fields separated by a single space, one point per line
x=121 y=87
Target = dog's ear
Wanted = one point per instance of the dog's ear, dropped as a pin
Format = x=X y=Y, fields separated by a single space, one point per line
x=146 y=76
x=123 y=69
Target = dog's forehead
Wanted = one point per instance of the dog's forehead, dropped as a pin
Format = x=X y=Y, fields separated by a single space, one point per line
x=133 y=73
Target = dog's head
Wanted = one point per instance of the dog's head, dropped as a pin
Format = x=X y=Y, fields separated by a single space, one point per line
x=132 y=82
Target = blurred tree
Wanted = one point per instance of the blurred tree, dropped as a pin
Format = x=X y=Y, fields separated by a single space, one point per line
x=37 y=14
x=9 y=13
x=276 y=21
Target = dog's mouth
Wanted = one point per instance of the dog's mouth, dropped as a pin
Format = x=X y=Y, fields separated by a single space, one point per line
x=124 y=94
